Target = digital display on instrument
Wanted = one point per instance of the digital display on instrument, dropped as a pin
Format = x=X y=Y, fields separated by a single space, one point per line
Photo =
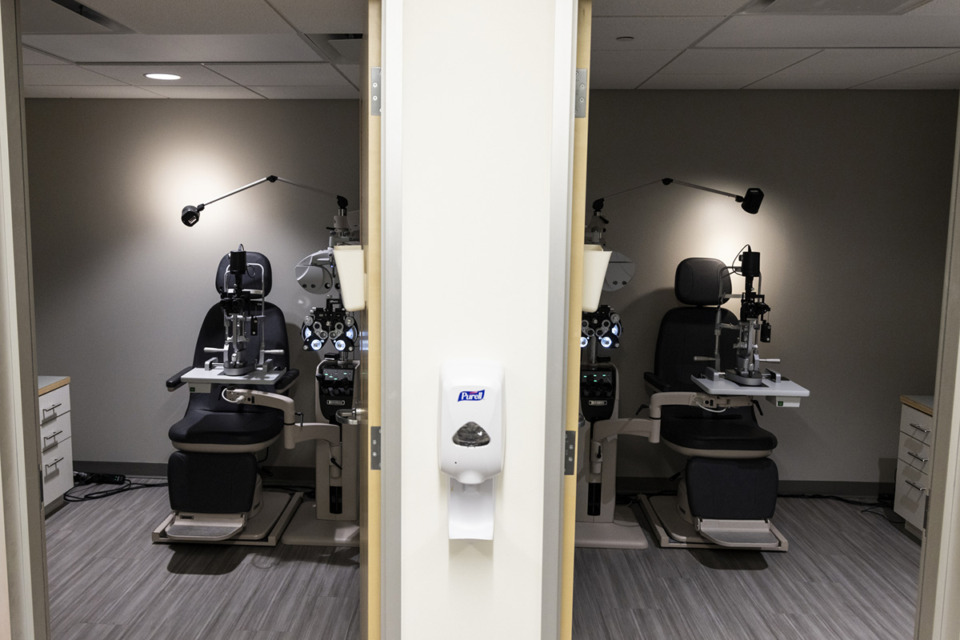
x=337 y=375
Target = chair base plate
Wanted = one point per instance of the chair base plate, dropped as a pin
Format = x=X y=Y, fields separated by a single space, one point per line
x=307 y=530
x=624 y=532
x=673 y=532
x=262 y=530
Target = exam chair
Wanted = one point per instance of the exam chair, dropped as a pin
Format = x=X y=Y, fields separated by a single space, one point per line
x=214 y=482
x=728 y=489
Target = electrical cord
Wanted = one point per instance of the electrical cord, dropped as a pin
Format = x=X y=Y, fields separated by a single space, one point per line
x=121 y=485
x=869 y=507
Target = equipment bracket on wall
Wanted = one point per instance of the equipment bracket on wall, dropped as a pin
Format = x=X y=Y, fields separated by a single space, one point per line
x=570 y=453
x=376 y=101
x=580 y=95
x=375 y=448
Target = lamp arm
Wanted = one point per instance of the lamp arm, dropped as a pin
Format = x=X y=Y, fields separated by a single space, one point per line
x=749 y=202
x=190 y=214
x=341 y=201
x=598 y=203
x=235 y=191
x=339 y=198
x=667 y=181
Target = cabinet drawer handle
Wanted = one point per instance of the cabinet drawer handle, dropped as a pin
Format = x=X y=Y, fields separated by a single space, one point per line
x=52 y=436
x=53 y=407
x=916 y=486
x=53 y=464
x=916 y=457
x=919 y=428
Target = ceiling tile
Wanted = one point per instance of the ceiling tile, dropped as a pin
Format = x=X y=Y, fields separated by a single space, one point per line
x=174 y=48
x=63 y=74
x=699 y=81
x=626 y=69
x=756 y=62
x=784 y=80
x=947 y=64
x=825 y=32
x=32 y=56
x=845 y=68
x=915 y=81
x=193 y=16
x=666 y=7
x=351 y=72
x=43 y=16
x=278 y=75
x=649 y=33
x=345 y=92
x=190 y=74
x=938 y=8
x=206 y=93
x=115 y=92
x=324 y=16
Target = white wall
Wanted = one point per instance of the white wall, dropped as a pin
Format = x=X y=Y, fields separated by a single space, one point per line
x=477 y=173
x=122 y=286
x=852 y=241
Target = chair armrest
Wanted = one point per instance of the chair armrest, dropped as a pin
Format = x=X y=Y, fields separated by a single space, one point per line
x=176 y=381
x=286 y=380
x=656 y=381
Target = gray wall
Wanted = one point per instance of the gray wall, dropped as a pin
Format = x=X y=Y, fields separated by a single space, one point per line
x=851 y=236
x=121 y=285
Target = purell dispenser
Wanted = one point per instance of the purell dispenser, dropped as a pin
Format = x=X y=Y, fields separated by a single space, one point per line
x=471 y=443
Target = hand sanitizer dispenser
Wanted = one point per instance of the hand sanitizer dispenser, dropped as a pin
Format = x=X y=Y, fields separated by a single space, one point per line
x=471 y=443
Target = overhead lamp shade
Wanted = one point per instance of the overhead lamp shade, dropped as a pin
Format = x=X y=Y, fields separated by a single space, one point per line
x=595 y=261
x=751 y=200
x=190 y=215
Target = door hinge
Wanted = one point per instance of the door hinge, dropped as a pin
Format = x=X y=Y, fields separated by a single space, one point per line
x=570 y=453
x=580 y=94
x=376 y=97
x=375 y=448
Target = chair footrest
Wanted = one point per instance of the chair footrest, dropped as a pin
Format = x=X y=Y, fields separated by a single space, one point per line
x=205 y=527
x=756 y=534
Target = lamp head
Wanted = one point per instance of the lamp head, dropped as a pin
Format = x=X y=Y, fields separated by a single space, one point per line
x=750 y=202
x=190 y=214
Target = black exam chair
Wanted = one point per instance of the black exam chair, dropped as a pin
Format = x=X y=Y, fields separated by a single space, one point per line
x=214 y=483
x=728 y=490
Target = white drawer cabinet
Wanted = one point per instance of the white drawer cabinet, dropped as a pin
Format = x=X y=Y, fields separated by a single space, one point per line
x=914 y=461
x=56 y=450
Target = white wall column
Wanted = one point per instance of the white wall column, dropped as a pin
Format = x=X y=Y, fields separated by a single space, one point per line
x=938 y=616
x=23 y=606
x=477 y=144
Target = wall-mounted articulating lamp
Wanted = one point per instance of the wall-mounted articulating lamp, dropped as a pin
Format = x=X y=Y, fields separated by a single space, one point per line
x=749 y=202
x=190 y=214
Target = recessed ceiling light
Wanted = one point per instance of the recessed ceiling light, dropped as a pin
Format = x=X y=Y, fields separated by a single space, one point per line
x=162 y=76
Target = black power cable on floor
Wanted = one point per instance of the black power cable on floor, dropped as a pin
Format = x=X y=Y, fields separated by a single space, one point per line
x=869 y=506
x=119 y=483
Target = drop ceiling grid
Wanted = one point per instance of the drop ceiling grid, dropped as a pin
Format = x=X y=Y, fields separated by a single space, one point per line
x=174 y=48
x=649 y=33
x=135 y=74
x=835 y=32
x=281 y=74
x=193 y=16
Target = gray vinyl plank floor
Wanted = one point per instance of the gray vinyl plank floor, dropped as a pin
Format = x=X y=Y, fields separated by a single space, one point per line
x=848 y=575
x=108 y=581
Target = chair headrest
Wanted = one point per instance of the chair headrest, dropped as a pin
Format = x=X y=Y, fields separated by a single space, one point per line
x=258 y=275
x=702 y=281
